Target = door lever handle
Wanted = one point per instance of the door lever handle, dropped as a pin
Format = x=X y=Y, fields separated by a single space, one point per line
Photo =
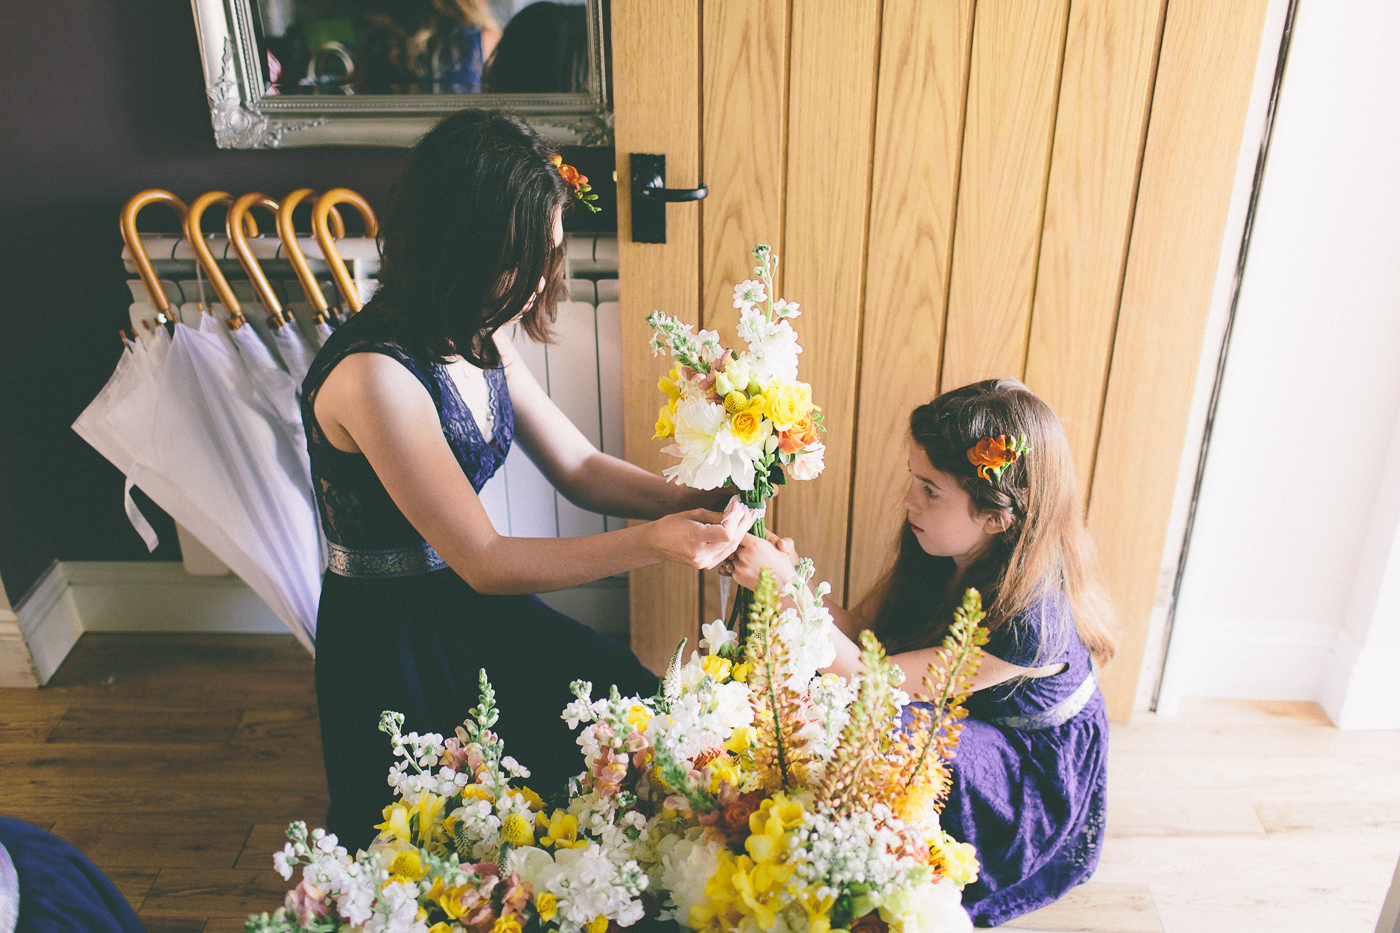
x=673 y=195
x=650 y=197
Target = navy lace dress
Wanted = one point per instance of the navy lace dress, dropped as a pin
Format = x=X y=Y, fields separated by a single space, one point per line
x=399 y=630
x=1029 y=783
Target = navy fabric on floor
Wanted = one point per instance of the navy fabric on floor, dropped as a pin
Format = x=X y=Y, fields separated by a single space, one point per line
x=60 y=890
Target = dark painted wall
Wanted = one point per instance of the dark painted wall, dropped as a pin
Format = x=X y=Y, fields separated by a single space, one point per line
x=98 y=100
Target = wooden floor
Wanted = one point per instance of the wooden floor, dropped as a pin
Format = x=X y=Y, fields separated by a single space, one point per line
x=175 y=763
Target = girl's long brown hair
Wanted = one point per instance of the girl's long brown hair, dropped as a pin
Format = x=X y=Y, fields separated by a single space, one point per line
x=1045 y=548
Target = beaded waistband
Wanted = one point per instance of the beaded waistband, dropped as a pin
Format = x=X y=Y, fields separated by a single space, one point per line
x=390 y=562
x=1057 y=715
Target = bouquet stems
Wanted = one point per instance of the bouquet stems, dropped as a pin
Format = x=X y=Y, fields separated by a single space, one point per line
x=743 y=596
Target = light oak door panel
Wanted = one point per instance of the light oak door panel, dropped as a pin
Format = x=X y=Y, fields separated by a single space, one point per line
x=924 y=53
x=660 y=42
x=1105 y=91
x=745 y=128
x=1204 y=78
x=831 y=114
x=1016 y=53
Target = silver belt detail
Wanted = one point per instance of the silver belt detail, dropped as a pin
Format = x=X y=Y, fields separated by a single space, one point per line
x=389 y=562
x=1057 y=715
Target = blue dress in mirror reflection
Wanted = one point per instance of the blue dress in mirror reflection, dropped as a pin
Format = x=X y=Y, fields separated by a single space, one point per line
x=399 y=630
x=1031 y=796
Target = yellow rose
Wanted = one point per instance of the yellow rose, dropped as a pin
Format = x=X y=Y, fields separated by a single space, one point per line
x=546 y=905
x=598 y=924
x=740 y=672
x=716 y=667
x=747 y=427
x=787 y=403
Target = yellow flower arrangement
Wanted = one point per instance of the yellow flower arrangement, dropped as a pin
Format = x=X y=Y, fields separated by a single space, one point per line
x=787 y=403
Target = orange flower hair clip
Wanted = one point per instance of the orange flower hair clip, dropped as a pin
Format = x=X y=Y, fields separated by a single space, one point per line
x=579 y=183
x=991 y=455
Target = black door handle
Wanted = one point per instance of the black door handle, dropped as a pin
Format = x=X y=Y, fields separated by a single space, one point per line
x=650 y=197
x=673 y=195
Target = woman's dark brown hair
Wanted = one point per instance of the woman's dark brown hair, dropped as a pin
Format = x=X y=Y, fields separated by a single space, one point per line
x=1045 y=547
x=468 y=236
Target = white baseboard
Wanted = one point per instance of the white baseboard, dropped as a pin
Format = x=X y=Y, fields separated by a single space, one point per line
x=73 y=597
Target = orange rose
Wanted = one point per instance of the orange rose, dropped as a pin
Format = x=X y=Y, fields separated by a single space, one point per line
x=799 y=436
x=991 y=455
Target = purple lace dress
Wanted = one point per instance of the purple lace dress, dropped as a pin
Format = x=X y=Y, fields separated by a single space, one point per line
x=1029 y=780
x=399 y=630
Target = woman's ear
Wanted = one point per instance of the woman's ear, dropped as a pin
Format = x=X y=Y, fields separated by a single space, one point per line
x=997 y=522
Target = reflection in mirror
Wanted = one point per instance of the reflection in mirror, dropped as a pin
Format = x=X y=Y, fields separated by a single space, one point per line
x=344 y=47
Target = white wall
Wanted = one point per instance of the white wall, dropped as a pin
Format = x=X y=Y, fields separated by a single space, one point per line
x=1292 y=584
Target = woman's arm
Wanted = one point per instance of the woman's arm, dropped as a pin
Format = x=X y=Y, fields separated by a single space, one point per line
x=588 y=478
x=372 y=405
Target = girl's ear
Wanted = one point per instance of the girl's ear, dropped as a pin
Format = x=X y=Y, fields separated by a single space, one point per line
x=997 y=522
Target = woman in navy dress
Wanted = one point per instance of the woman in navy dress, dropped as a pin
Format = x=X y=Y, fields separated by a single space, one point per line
x=410 y=407
x=1028 y=781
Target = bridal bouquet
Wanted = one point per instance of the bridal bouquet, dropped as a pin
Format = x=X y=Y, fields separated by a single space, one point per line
x=740 y=418
x=748 y=795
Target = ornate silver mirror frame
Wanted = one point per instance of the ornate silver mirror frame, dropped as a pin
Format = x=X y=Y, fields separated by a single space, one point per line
x=245 y=117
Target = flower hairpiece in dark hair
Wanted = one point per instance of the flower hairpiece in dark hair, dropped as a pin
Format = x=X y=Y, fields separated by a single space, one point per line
x=578 y=182
x=991 y=455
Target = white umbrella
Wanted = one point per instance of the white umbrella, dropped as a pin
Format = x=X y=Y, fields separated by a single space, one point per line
x=314 y=315
x=291 y=346
x=325 y=206
x=210 y=444
x=138 y=367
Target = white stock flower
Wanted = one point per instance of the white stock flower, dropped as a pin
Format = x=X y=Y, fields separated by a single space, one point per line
x=773 y=346
x=749 y=293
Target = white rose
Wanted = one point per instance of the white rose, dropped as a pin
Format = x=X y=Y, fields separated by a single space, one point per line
x=808 y=463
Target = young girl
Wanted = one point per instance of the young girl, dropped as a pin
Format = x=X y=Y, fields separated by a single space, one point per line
x=1028 y=782
x=409 y=408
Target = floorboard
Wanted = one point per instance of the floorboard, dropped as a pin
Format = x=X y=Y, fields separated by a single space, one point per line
x=176 y=761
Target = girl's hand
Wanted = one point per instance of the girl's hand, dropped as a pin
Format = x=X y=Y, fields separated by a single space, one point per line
x=700 y=538
x=775 y=553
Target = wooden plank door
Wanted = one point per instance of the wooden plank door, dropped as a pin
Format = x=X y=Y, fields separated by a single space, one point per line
x=959 y=189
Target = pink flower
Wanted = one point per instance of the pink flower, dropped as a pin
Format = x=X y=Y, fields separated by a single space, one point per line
x=808 y=463
x=516 y=896
x=308 y=902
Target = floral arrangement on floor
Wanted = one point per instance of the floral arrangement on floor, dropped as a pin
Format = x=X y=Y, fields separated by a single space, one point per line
x=748 y=795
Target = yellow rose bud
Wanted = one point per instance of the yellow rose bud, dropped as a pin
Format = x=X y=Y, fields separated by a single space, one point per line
x=598 y=924
x=740 y=672
x=546 y=905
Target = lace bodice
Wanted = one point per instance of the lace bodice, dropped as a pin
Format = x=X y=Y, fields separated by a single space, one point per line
x=356 y=510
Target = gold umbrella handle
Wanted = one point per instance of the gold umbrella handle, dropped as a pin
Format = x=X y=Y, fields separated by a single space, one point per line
x=195 y=236
x=234 y=224
x=319 y=226
x=138 y=250
x=287 y=233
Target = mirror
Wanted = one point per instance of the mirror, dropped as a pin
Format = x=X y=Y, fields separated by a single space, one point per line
x=382 y=72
